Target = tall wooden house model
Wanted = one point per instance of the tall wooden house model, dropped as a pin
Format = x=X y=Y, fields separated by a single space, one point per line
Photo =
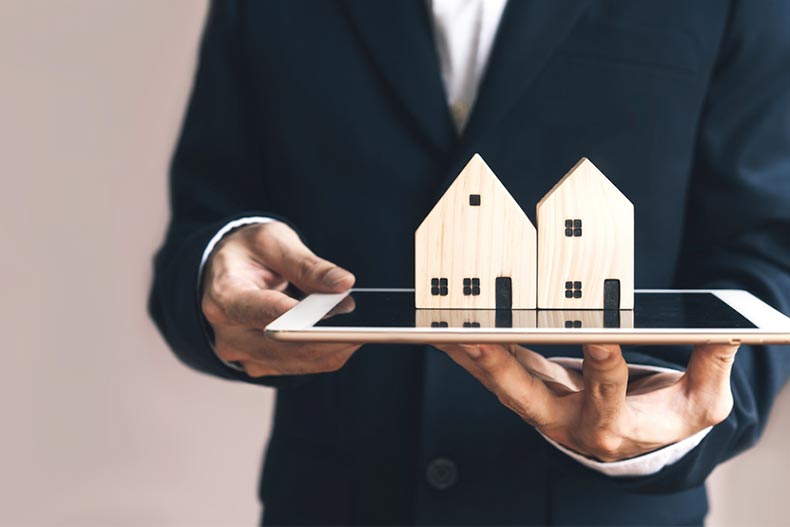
x=478 y=250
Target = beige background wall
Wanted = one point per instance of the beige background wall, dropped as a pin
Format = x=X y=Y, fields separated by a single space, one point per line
x=100 y=424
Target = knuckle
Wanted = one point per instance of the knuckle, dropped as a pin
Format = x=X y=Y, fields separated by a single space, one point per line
x=270 y=239
x=307 y=266
x=724 y=361
x=603 y=444
x=211 y=310
x=266 y=234
x=606 y=390
x=234 y=311
x=487 y=359
x=274 y=228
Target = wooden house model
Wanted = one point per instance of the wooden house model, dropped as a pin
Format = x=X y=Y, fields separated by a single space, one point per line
x=585 y=243
x=476 y=249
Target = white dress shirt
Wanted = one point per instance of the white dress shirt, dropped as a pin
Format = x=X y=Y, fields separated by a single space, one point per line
x=464 y=33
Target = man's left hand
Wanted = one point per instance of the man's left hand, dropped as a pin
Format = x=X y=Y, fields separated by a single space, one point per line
x=598 y=413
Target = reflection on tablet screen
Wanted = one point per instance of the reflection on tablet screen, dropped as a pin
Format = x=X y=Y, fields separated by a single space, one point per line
x=651 y=311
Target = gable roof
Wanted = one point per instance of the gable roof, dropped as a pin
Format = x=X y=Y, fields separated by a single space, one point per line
x=475 y=168
x=584 y=167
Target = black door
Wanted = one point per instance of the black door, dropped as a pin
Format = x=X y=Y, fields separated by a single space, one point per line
x=611 y=294
x=504 y=292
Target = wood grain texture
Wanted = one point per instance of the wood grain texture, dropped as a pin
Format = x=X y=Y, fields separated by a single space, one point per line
x=459 y=240
x=601 y=248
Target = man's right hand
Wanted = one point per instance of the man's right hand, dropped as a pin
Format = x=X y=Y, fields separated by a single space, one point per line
x=244 y=289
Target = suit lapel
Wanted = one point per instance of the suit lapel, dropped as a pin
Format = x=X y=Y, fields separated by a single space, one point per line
x=399 y=38
x=530 y=31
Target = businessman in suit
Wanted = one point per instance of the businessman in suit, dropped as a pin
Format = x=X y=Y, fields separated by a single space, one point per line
x=331 y=127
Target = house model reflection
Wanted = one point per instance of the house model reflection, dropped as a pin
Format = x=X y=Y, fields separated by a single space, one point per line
x=478 y=250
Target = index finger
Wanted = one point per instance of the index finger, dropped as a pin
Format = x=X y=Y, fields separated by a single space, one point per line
x=258 y=307
x=283 y=251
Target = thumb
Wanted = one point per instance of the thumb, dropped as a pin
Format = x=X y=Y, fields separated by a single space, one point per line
x=707 y=382
x=290 y=258
x=710 y=366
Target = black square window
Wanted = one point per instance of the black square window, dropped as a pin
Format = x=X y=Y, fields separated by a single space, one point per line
x=471 y=324
x=439 y=286
x=474 y=200
x=471 y=286
x=573 y=228
x=573 y=289
x=573 y=324
x=439 y=324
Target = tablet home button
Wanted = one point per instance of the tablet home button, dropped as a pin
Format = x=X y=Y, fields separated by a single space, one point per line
x=442 y=473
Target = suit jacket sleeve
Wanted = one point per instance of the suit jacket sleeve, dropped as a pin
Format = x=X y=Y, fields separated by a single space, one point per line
x=738 y=220
x=214 y=178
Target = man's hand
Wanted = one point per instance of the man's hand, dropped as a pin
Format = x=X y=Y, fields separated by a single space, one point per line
x=598 y=413
x=244 y=289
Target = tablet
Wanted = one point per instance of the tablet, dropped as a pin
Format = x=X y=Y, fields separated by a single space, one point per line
x=658 y=317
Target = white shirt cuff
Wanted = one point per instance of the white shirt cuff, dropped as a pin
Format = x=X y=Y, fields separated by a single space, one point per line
x=230 y=226
x=235 y=224
x=646 y=464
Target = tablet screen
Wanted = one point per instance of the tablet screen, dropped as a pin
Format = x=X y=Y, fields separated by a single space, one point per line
x=395 y=309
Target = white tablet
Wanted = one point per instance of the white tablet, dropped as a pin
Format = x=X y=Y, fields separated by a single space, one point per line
x=658 y=317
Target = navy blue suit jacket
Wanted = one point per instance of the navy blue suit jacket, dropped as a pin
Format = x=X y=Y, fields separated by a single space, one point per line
x=331 y=115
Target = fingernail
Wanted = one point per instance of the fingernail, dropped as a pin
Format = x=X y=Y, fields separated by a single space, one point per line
x=335 y=276
x=598 y=352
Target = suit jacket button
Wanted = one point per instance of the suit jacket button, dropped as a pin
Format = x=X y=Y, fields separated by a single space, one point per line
x=442 y=473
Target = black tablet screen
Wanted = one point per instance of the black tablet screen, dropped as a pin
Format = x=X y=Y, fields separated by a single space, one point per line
x=651 y=311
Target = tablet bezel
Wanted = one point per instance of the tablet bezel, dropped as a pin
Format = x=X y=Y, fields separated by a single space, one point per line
x=298 y=325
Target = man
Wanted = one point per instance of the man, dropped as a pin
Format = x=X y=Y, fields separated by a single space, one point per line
x=345 y=120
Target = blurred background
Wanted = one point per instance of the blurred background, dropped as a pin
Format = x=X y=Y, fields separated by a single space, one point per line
x=100 y=424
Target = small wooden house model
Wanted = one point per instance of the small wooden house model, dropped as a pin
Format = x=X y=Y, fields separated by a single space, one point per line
x=476 y=249
x=585 y=243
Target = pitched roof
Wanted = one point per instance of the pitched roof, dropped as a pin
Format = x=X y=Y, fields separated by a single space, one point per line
x=475 y=166
x=583 y=166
